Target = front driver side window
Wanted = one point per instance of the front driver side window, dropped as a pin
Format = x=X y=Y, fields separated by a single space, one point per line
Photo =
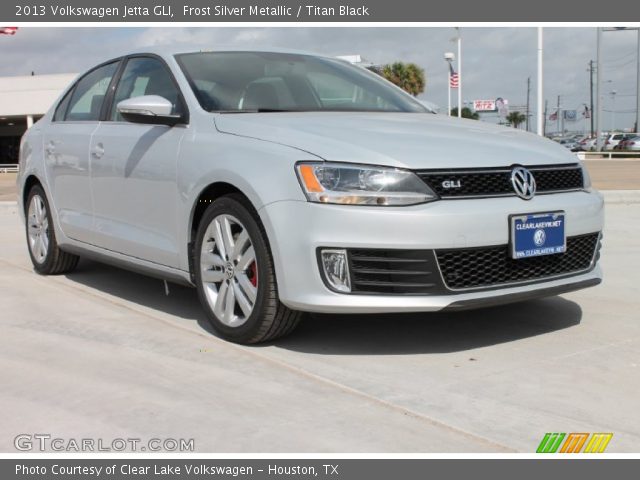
x=88 y=94
x=145 y=76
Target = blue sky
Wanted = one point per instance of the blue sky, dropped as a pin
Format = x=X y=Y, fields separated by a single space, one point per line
x=496 y=60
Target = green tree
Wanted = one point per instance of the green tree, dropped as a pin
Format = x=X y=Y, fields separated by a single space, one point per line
x=408 y=76
x=466 y=113
x=515 y=119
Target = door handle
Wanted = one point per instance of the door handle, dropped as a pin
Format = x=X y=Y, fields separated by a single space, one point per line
x=98 y=151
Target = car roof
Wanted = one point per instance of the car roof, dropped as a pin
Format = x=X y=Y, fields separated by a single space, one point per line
x=171 y=50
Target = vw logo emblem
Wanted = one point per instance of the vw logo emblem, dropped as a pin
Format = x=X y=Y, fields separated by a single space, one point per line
x=539 y=238
x=523 y=183
x=228 y=270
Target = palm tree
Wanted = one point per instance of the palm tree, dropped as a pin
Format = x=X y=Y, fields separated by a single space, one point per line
x=408 y=76
x=466 y=113
x=516 y=119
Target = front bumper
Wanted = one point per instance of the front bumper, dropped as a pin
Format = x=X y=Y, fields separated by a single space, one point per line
x=297 y=229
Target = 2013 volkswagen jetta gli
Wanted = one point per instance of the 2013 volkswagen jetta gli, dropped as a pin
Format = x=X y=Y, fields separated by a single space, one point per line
x=279 y=182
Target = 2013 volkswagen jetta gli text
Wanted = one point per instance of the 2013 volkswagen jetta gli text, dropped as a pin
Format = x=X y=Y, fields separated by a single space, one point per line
x=279 y=182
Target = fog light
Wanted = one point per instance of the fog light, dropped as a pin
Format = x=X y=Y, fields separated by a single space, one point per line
x=336 y=269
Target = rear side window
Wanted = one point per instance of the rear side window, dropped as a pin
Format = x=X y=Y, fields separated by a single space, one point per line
x=145 y=76
x=62 y=107
x=88 y=95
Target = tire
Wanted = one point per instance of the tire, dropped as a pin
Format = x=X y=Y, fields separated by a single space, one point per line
x=46 y=256
x=235 y=277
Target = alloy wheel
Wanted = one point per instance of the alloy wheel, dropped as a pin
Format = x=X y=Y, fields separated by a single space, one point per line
x=228 y=270
x=38 y=229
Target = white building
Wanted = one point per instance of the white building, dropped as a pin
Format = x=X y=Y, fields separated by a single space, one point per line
x=23 y=100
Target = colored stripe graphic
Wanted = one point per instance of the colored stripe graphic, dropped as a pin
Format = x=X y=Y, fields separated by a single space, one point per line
x=574 y=443
x=598 y=443
x=550 y=443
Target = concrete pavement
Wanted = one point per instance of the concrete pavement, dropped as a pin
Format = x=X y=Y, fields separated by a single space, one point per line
x=103 y=353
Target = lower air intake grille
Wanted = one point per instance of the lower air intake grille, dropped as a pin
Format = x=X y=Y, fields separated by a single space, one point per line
x=393 y=272
x=492 y=266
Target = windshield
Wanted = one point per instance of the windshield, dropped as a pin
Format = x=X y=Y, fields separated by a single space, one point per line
x=275 y=82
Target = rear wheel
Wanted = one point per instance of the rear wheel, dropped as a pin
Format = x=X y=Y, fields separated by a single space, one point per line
x=235 y=276
x=46 y=256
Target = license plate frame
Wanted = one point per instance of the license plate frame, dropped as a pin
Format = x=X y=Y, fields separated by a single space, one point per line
x=525 y=239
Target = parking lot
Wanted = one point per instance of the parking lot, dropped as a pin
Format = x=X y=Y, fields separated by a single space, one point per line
x=104 y=353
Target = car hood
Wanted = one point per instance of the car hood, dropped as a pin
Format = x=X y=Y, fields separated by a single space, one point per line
x=405 y=140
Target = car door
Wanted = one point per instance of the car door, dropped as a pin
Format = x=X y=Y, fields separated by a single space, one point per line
x=66 y=143
x=134 y=170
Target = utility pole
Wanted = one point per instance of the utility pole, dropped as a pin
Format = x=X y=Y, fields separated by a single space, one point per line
x=528 y=94
x=591 y=93
x=598 y=89
x=558 y=116
x=637 y=126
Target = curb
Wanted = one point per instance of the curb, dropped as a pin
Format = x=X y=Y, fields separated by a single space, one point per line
x=9 y=206
x=626 y=197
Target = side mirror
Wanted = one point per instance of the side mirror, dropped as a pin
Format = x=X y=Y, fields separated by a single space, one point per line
x=151 y=109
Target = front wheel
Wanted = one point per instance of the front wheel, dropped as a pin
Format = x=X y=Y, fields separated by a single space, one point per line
x=235 y=276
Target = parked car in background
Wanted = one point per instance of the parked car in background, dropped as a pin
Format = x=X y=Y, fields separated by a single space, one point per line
x=277 y=182
x=587 y=144
x=568 y=143
x=614 y=139
x=631 y=143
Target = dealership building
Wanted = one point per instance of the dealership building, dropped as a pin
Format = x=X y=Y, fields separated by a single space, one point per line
x=23 y=100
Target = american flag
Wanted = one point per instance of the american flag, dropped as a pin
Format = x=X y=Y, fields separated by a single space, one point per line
x=8 y=30
x=453 y=80
x=553 y=116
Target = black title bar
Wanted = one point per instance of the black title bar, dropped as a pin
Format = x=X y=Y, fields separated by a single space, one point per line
x=16 y=11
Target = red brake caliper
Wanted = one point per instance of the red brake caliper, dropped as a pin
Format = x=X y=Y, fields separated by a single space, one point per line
x=254 y=274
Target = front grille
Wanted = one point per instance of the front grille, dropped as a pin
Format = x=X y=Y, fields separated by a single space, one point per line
x=492 y=266
x=393 y=272
x=493 y=182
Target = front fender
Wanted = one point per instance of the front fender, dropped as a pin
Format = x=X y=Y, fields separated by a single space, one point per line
x=263 y=171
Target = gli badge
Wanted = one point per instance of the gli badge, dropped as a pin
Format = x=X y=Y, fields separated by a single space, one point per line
x=451 y=184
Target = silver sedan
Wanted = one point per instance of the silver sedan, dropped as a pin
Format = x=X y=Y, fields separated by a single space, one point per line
x=278 y=182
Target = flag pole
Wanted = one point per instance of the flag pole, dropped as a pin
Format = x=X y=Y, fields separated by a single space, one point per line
x=540 y=127
x=449 y=91
x=459 y=73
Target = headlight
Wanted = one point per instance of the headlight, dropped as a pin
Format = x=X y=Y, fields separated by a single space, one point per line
x=346 y=184
x=586 y=178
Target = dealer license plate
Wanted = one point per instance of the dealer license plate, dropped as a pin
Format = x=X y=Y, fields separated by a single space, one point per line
x=537 y=234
